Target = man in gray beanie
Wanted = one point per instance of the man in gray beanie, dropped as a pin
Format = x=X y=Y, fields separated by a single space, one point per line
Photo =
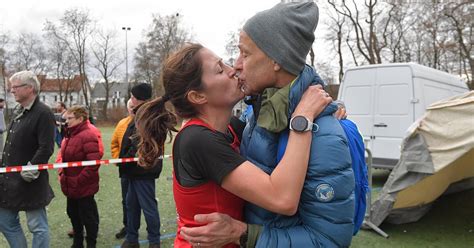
x=284 y=35
x=273 y=48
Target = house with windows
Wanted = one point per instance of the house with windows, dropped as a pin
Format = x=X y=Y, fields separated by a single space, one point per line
x=118 y=95
x=53 y=90
x=68 y=91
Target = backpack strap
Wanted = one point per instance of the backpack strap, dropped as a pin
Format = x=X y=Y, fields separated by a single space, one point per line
x=357 y=150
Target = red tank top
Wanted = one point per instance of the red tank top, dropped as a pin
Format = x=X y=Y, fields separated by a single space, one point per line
x=204 y=199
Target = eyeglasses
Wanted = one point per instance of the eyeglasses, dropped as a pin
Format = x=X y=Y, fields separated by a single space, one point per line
x=18 y=86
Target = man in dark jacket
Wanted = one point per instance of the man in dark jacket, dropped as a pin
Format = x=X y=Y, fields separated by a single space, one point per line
x=30 y=138
x=141 y=188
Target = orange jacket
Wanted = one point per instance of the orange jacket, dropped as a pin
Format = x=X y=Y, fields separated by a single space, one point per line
x=117 y=136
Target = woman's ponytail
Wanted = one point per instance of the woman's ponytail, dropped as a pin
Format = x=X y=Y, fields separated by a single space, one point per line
x=154 y=123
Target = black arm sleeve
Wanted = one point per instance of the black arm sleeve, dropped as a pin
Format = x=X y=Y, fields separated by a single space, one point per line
x=201 y=155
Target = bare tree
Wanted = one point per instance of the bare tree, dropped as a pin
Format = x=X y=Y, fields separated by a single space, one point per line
x=62 y=65
x=431 y=26
x=28 y=53
x=107 y=62
x=325 y=72
x=334 y=36
x=231 y=47
x=398 y=35
x=74 y=29
x=4 y=40
x=369 y=26
x=146 y=68
x=165 y=35
x=460 y=18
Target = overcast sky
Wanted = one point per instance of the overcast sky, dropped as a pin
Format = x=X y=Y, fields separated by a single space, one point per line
x=210 y=21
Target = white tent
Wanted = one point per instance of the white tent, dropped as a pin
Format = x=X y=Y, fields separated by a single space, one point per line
x=437 y=158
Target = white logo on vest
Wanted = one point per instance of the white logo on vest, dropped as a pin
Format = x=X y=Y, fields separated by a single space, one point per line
x=324 y=192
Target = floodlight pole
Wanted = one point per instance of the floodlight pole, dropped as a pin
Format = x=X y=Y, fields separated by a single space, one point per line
x=126 y=57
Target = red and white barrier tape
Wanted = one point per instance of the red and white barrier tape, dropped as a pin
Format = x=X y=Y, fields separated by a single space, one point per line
x=19 y=168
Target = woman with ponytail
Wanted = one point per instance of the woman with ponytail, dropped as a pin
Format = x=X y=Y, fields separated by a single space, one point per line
x=209 y=174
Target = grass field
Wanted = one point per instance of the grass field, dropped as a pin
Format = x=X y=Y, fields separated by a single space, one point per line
x=449 y=224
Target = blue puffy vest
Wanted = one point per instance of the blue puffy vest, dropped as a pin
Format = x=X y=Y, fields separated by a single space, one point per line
x=356 y=147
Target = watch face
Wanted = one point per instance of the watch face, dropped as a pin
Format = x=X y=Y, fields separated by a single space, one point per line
x=299 y=123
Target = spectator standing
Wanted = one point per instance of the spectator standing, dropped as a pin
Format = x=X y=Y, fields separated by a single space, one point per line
x=60 y=123
x=30 y=138
x=80 y=184
x=115 y=146
x=141 y=188
x=2 y=125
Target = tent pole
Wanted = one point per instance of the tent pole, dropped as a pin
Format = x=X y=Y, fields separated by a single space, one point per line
x=367 y=220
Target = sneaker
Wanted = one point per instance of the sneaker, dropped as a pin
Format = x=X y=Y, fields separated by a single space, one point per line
x=70 y=234
x=121 y=234
x=126 y=244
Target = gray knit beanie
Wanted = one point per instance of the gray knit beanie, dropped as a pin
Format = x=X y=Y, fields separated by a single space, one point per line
x=285 y=33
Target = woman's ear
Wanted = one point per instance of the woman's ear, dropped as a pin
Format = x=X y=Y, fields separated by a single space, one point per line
x=196 y=97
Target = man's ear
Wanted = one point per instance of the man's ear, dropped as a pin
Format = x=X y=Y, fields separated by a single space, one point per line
x=276 y=66
x=196 y=97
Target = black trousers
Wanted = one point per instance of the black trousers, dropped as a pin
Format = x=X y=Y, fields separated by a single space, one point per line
x=83 y=213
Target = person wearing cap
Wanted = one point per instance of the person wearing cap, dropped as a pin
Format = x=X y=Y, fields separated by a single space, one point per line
x=273 y=48
x=141 y=182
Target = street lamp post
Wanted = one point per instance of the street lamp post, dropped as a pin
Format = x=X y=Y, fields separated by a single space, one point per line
x=126 y=56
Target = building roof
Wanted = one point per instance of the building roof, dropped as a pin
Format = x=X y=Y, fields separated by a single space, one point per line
x=52 y=85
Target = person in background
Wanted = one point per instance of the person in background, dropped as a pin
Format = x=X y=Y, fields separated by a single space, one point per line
x=97 y=132
x=116 y=142
x=30 y=139
x=115 y=146
x=60 y=123
x=2 y=125
x=80 y=184
x=141 y=181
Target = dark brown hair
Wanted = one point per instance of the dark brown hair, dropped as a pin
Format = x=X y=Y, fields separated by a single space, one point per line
x=62 y=105
x=180 y=73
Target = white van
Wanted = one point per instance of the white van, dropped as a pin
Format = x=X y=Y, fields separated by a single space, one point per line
x=385 y=99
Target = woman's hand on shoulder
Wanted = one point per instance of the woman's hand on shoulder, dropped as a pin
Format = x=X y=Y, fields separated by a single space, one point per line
x=313 y=102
